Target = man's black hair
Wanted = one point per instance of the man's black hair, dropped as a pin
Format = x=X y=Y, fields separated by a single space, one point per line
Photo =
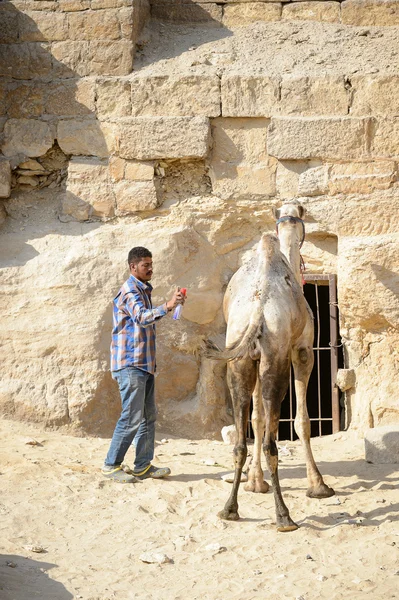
x=137 y=253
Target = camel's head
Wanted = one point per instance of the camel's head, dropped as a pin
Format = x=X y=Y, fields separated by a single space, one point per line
x=289 y=220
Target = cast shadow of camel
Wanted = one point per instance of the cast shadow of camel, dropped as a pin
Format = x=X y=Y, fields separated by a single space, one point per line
x=22 y=577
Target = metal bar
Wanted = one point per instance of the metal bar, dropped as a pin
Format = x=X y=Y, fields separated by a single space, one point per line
x=314 y=419
x=318 y=355
x=334 y=351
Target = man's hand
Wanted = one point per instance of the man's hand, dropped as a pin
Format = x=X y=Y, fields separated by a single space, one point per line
x=177 y=298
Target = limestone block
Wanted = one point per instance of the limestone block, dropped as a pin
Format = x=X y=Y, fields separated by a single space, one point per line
x=381 y=445
x=328 y=12
x=211 y=14
x=135 y=196
x=94 y=25
x=370 y=12
x=26 y=100
x=36 y=5
x=86 y=201
x=116 y=168
x=147 y=138
x=110 y=58
x=74 y=5
x=304 y=96
x=306 y=138
x=239 y=165
x=70 y=59
x=86 y=137
x=249 y=96
x=5 y=179
x=113 y=98
x=26 y=136
x=377 y=96
x=176 y=96
x=25 y=61
x=241 y=15
x=385 y=142
x=42 y=27
x=139 y=171
x=346 y=379
x=74 y=97
x=370 y=215
x=229 y=434
x=361 y=178
x=313 y=181
x=287 y=177
x=87 y=170
x=8 y=24
x=99 y=4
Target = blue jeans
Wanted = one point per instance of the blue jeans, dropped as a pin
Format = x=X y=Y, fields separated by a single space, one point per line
x=137 y=420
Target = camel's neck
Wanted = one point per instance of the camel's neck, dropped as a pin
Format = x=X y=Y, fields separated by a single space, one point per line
x=289 y=246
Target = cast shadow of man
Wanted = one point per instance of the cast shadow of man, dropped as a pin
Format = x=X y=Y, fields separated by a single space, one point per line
x=25 y=578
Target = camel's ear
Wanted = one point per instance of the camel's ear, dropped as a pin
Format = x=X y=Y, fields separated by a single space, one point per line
x=301 y=211
x=276 y=213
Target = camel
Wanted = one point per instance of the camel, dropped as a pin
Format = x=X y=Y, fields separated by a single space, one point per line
x=269 y=326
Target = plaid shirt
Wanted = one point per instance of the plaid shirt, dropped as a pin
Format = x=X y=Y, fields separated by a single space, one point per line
x=133 y=334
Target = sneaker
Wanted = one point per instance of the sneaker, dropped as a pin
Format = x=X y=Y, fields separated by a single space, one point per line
x=116 y=473
x=153 y=472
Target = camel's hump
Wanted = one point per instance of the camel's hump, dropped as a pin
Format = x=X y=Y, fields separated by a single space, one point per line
x=268 y=245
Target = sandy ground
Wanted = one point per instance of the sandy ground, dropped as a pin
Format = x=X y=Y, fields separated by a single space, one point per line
x=94 y=531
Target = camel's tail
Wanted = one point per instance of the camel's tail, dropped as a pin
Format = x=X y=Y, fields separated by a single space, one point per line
x=242 y=347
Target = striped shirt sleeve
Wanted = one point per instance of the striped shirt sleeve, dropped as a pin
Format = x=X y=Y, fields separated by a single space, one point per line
x=140 y=314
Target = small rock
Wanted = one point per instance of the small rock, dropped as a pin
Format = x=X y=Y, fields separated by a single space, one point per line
x=229 y=477
x=321 y=578
x=155 y=558
x=32 y=442
x=209 y=462
x=215 y=548
x=257 y=572
x=308 y=557
x=11 y=564
x=38 y=549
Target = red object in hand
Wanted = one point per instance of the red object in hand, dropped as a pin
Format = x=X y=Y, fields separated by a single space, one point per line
x=183 y=291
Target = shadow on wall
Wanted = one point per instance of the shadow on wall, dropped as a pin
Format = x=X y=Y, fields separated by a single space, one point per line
x=22 y=577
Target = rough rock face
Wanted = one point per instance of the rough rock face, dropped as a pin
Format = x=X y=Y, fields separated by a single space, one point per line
x=178 y=126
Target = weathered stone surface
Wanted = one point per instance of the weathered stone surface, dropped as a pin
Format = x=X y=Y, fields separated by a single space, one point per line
x=306 y=138
x=135 y=196
x=211 y=14
x=139 y=171
x=113 y=98
x=87 y=170
x=287 y=177
x=381 y=445
x=94 y=25
x=25 y=61
x=385 y=138
x=116 y=168
x=346 y=379
x=26 y=136
x=241 y=15
x=86 y=137
x=375 y=95
x=370 y=12
x=239 y=165
x=24 y=101
x=361 y=178
x=71 y=98
x=313 y=181
x=5 y=179
x=8 y=24
x=249 y=96
x=313 y=96
x=3 y=214
x=110 y=58
x=328 y=12
x=99 y=4
x=176 y=96
x=70 y=59
x=147 y=138
x=88 y=201
x=42 y=27
x=74 y=5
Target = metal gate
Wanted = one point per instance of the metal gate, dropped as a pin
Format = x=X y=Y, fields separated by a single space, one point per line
x=322 y=394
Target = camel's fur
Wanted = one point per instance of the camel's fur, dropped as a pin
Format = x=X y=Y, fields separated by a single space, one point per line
x=269 y=326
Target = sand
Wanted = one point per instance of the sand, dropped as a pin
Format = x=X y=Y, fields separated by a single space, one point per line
x=94 y=531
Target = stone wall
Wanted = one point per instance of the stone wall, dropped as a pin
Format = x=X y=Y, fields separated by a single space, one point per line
x=188 y=158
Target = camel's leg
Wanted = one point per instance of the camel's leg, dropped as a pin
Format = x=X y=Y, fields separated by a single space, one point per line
x=274 y=386
x=241 y=378
x=256 y=481
x=302 y=360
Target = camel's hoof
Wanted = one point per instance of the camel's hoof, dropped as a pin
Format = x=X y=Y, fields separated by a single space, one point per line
x=257 y=487
x=322 y=491
x=291 y=527
x=226 y=515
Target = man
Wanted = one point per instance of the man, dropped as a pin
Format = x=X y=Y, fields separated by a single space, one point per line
x=133 y=367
